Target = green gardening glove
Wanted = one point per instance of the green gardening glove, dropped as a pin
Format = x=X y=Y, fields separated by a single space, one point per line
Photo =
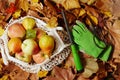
x=89 y=43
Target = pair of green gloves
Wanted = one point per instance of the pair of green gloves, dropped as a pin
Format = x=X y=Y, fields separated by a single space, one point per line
x=89 y=43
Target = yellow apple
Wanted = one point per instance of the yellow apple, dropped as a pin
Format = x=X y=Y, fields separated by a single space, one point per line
x=16 y=30
x=47 y=44
x=28 y=23
x=14 y=45
x=29 y=47
x=23 y=57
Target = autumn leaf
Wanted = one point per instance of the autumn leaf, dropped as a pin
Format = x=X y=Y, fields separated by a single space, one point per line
x=42 y=74
x=22 y=4
x=4 y=77
x=89 y=70
x=89 y=2
x=1 y=30
x=70 y=62
x=17 y=14
x=68 y=4
x=115 y=32
x=52 y=22
x=61 y=74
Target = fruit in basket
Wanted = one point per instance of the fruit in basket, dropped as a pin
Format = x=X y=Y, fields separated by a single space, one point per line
x=29 y=47
x=16 y=30
x=39 y=57
x=31 y=33
x=28 y=23
x=21 y=56
x=40 y=32
x=46 y=43
x=14 y=45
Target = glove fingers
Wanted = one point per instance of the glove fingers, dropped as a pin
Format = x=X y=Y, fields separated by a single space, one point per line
x=78 y=29
x=75 y=34
x=81 y=25
x=99 y=43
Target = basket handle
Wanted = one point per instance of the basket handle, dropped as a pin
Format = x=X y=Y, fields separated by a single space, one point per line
x=2 y=48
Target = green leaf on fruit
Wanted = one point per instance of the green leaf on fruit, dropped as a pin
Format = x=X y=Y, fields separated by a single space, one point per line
x=31 y=33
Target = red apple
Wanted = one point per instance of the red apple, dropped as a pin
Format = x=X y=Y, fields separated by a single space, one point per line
x=40 y=32
x=23 y=57
x=16 y=30
x=39 y=57
x=14 y=45
x=29 y=47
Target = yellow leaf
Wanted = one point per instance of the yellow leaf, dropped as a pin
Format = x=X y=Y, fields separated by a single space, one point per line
x=88 y=22
x=90 y=2
x=107 y=13
x=42 y=74
x=23 y=4
x=17 y=14
x=5 y=77
x=34 y=1
x=68 y=4
x=93 y=18
x=82 y=12
x=1 y=30
x=52 y=22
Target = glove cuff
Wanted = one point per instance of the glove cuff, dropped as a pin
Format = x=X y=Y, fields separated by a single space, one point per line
x=104 y=56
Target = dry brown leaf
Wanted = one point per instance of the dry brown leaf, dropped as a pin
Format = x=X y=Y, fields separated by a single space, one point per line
x=68 y=4
x=36 y=6
x=82 y=78
x=15 y=73
x=3 y=5
x=102 y=73
x=61 y=74
x=115 y=32
x=115 y=8
x=109 y=6
x=90 y=69
x=104 y=5
x=70 y=62
x=33 y=77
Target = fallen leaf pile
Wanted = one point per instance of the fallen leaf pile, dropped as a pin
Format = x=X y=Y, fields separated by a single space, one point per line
x=101 y=15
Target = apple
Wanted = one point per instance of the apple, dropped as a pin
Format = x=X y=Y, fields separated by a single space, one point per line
x=23 y=57
x=39 y=57
x=46 y=44
x=14 y=45
x=40 y=32
x=29 y=47
x=16 y=30
x=28 y=23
